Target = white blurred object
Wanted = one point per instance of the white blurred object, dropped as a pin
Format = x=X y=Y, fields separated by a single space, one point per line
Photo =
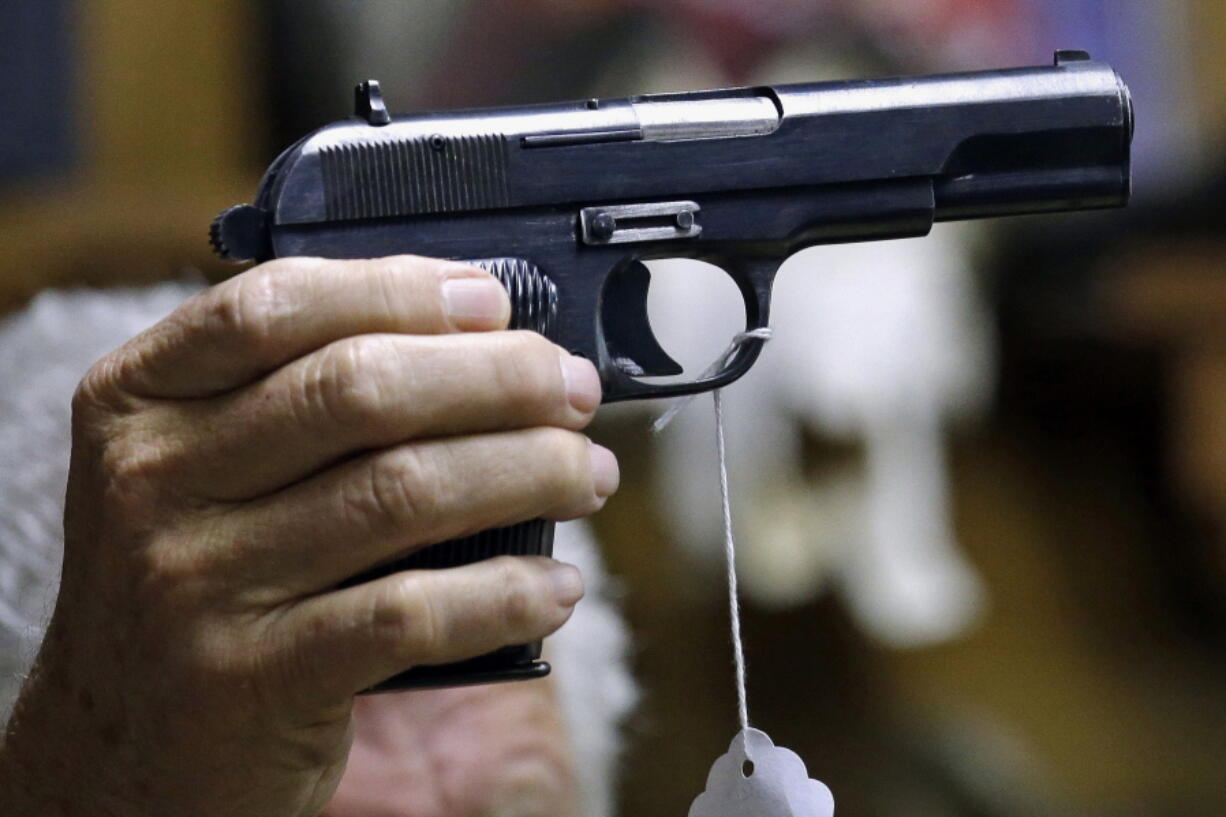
x=591 y=662
x=879 y=343
x=882 y=343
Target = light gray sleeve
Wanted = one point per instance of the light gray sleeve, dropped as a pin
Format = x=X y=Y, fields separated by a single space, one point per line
x=44 y=351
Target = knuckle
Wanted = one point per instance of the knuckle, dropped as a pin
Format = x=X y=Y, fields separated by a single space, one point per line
x=130 y=463
x=568 y=465
x=387 y=288
x=118 y=434
x=398 y=491
x=218 y=658
x=429 y=270
x=247 y=310
x=98 y=387
x=519 y=593
x=409 y=285
x=528 y=372
x=347 y=386
x=282 y=267
x=404 y=621
x=171 y=575
x=101 y=389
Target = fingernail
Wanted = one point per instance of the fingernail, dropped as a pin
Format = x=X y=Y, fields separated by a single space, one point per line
x=582 y=383
x=567 y=583
x=605 y=473
x=475 y=303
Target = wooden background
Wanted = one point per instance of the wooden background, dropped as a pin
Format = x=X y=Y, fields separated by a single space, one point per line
x=171 y=108
x=169 y=97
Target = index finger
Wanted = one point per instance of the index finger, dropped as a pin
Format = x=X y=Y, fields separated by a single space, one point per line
x=252 y=324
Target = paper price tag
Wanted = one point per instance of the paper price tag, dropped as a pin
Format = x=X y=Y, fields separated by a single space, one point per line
x=756 y=778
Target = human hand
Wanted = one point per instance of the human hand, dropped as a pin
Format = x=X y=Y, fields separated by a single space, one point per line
x=279 y=433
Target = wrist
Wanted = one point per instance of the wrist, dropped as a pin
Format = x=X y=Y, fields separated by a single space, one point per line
x=44 y=770
x=16 y=797
x=29 y=783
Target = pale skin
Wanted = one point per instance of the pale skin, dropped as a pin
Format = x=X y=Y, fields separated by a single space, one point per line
x=278 y=433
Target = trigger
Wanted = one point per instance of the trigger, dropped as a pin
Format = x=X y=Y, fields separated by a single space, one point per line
x=627 y=330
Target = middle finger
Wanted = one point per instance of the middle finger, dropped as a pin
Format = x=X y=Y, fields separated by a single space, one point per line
x=384 y=505
x=370 y=392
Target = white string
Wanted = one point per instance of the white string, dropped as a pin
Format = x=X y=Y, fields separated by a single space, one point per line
x=762 y=333
x=734 y=604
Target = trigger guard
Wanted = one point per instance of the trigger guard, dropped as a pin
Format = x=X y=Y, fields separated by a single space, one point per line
x=630 y=342
x=624 y=308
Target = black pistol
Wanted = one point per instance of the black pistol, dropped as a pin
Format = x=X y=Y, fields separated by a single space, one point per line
x=563 y=202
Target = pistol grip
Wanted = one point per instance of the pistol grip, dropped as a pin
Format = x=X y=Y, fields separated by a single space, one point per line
x=512 y=663
x=533 y=306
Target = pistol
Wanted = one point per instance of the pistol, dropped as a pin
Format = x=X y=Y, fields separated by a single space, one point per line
x=563 y=203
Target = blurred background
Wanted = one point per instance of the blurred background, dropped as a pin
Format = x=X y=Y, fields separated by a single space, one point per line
x=981 y=482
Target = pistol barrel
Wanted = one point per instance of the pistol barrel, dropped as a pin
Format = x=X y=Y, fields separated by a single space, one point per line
x=1022 y=140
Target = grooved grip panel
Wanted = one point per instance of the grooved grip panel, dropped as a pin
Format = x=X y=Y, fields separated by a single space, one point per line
x=533 y=306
